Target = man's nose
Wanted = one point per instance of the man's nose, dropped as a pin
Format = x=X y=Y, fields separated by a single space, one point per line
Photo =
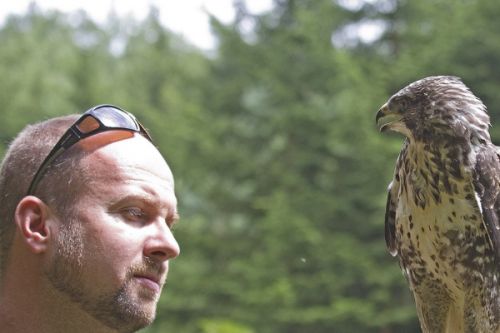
x=161 y=244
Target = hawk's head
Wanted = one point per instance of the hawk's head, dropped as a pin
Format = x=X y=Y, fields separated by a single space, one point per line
x=435 y=107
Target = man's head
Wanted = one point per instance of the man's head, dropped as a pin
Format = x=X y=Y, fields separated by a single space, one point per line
x=99 y=220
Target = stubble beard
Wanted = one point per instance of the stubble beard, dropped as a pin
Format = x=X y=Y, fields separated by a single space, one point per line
x=115 y=309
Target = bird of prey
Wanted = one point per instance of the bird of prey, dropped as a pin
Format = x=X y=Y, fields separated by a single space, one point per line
x=443 y=205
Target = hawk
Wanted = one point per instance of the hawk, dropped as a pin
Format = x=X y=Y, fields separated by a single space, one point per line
x=443 y=205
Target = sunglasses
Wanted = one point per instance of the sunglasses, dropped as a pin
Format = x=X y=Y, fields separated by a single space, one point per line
x=100 y=118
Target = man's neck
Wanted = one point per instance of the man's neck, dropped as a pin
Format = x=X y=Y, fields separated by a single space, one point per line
x=35 y=306
x=46 y=317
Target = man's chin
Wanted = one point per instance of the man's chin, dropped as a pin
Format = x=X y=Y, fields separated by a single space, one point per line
x=139 y=302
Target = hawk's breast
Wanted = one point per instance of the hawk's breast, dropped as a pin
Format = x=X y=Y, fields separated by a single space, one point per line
x=439 y=227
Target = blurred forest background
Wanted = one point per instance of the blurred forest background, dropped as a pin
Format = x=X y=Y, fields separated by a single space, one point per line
x=281 y=173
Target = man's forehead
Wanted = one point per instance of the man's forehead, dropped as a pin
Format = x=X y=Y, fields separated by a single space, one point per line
x=130 y=157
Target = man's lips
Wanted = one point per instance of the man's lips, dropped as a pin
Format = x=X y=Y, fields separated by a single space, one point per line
x=150 y=281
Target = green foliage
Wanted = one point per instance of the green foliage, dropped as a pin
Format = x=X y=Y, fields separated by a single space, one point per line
x=223 y=326
x=280 y=171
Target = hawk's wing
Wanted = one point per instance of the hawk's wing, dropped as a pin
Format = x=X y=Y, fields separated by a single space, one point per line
x=390 y=218
x=391 y=206
x=487 y=187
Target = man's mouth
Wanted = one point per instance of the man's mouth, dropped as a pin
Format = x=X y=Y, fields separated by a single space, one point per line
x=149 y=281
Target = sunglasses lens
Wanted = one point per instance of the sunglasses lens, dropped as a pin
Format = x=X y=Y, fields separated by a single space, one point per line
x=88 y=124
x=111 y=117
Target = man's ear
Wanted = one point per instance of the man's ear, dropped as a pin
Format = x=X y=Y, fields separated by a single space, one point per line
x=31 y=221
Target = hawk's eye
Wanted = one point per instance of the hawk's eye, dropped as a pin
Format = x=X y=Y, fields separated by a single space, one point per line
x=398 y=104
x=403 y=105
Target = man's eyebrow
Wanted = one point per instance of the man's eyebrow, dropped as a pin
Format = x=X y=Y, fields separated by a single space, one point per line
x=150 y=200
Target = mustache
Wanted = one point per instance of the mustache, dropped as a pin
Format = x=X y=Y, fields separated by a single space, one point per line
x=148 y=267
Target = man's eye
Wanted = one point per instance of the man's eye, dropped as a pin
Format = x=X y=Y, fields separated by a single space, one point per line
x=134 y=213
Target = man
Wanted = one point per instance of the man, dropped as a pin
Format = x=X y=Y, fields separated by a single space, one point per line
x=85 y=225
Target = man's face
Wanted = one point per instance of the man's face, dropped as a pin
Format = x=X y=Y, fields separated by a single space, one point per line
x=111 y=257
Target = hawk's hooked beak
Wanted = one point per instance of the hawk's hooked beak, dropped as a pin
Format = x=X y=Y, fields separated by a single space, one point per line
x=387 y=119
